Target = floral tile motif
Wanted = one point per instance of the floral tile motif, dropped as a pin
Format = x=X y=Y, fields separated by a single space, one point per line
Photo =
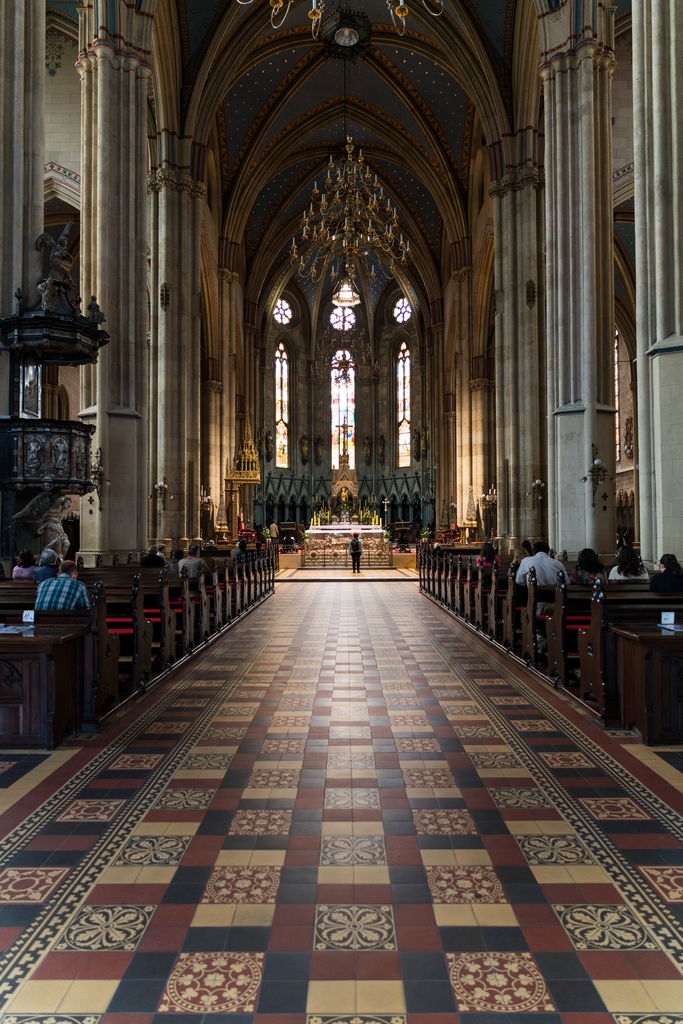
x=403 y=702
x=533 y=725
x=614 y=808
x=288 y=720
x=213 y=983
x=283 y=746
x=206 y=684
x=354 y=926
x=229 y=884
x=296 y=703
x=464 y=884
x=340 y=799
x=166 y=850
x=640 y=1018
x=238 y=710
x=261 y=823
x=667 y=881
x=185 y=799
x=274 y=778
x=99 y=928
x=356 y=1018
x=217 y=732
x=347 y=710
x=417 y=746
x=343 y=851
x=167 y=728
x=350 y=732
x=249 y=693
x=480 y=681
x=567 y=759
x=443 y=822
x=491 y=759
x=91 y=810
x=464 y=709
x=135 y=762
x=428 y=778
x=51 y=1018
x=29 y=885
x=603 y=926
x=205 y=762
x=354 y=762
x=409 y=721
x=498 y=983
x=542 y=849
x=190 y=702
x=475 y=731
x=516 y=796
x=6 y=765
x=454 y=693
x=504 y=701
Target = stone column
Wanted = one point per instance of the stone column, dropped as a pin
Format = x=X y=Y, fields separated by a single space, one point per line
x=176 y=344
x=520 y=379
x=22 y=160
x=577 y=61
x=459 y=423
x=114 y=266
x=230 y=342
x=658 y=110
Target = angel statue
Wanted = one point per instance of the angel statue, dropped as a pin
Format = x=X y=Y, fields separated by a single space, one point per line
x=48 y=511
x=61 y=261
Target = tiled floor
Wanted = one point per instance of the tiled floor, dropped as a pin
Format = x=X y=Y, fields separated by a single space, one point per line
x=349 y=809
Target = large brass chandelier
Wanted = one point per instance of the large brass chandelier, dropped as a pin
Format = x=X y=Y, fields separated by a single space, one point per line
x=344 y=36
x=349 y=219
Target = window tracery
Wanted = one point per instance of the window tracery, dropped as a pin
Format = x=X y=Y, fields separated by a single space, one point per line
x=282 y=313
x=342 y=318
x=343 y=407
x=281 y=407
x=402 y=311
x=403 y=400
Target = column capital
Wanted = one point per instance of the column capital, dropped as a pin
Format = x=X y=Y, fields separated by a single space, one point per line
x=529 y=177
x=482 y=384
x=231 y=276
x=176 y=181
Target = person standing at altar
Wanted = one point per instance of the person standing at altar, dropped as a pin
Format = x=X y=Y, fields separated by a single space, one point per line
x=355 y=550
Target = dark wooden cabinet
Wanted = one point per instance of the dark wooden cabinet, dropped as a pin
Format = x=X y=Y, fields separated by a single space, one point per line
x=650 y=674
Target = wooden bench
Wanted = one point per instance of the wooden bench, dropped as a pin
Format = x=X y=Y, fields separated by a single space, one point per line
x=649 y=670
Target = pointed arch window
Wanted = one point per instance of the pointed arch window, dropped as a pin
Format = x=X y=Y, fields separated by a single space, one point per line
x=403 y=395
x=343 y=408
x=281 y=407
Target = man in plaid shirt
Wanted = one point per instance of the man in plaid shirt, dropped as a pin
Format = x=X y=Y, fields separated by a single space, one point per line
x=63 y=592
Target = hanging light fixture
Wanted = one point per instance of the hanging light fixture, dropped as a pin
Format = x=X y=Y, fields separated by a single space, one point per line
x=345 y=295
x=398 y=13
x=350 y=219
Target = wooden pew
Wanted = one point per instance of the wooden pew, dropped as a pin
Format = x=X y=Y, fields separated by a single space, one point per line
x=571 y=612
x=531 y=618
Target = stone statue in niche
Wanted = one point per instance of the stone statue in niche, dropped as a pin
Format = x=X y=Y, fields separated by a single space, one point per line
x=33 y=457
x=61 y=261
x=270 y=446
x=380 y=449
x=80 y=460
x=49 y=511
x=303 y=444
x=367 y=449
x=60 y=457
x=318 y=450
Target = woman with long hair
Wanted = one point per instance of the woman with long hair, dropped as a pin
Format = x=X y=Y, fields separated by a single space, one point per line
x=669 y=579
x=629 y=567
x=487 y=557
x=588 y=569
x=25 y=567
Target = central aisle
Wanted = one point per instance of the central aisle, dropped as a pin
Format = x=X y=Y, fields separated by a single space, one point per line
x=346 y=807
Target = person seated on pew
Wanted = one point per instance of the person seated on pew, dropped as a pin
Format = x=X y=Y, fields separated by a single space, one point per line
x=25 y=568
x=588 y=569
x=670 y=577
x=629 y=568
x=152 y=560
x=173 y=564
x=526 y=546
x=47 y=566
x=161 y=551
x=487 y=557
x=546 y=567
x=193 y=563
x=64 y=593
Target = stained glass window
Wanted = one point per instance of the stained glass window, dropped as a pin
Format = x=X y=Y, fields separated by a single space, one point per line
x=403 y=394
x=343 y=405
x=617 y=424
x=282 y=311
x=402 y=311
x=281 y=407
x=342 y=319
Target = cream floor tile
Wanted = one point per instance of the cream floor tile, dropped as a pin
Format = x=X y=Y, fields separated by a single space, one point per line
x=432 y=857
x=371 y=874
x=626 y=996
x=39 y=996
x=274 y=858
x=457 y=915
x=380 y=997
x=210 y=915
x=551 y=874
x=234 y=857
x=331 y=997
x=666 y=995
x=588 y=873
x=472 y=857
x=199 y=773
x=166 y=828
x=555 y=828
x=253 y=915
x=335 y=875
x=88 y=996
x=495 y=915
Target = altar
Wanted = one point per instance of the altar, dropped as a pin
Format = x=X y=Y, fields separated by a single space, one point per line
x=327 y=546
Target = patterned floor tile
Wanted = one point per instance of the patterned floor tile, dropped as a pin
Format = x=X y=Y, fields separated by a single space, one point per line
x=190 y=702
x=135 y=762
x=100 y=928
x=409 y=721
x=648 y=1018
x=569 y=759
x=417 y=746
x=349 y=926
x=205 y=762
x=355 y=762
x=443 y=822
x=238 y=710
x=476 y=731
x=167 y=728
x=213 y=983
x=161 y=850
x=511 y=701
x=543 y=849
x=614 y=808
x=463 y=709
x=498 y=983
x=29 y=885
x=356 y=1018
x=344 y=851
x=667 y=881
x=91 y=810
x=249 y=693
x=490 y=759
x=464 y=884
x=533 y=725
x=428 y=778
x=340 y=799
x=261 y=823
x=403 y=702
x=289 y=720
x=516 y=796
x=350 y=732
x=223 y=732
x=283 y=746
x=274 y=778
x=242 y=885
x=185 y=799
x=603 y=926
x=6 y=765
